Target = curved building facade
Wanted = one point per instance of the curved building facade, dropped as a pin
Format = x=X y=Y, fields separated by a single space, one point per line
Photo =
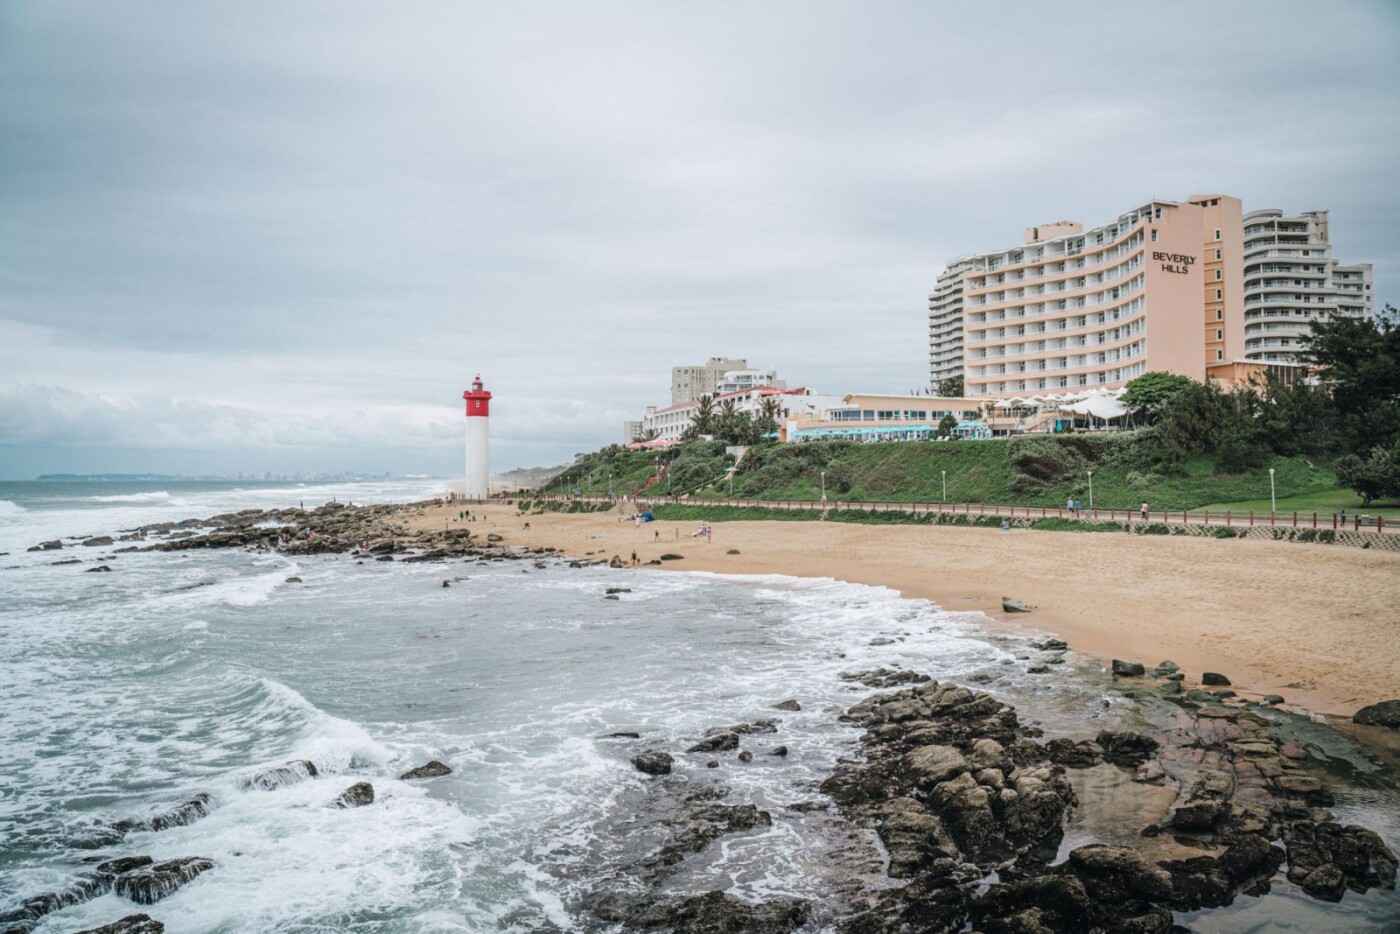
x=1291 y=280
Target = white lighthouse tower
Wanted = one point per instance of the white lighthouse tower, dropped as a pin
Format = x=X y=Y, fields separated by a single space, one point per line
x=478 y=457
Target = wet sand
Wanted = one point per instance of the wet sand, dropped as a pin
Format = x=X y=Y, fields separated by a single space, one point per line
x=1318 y=624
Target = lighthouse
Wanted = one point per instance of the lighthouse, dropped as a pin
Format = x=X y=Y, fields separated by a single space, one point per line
x=478 y=457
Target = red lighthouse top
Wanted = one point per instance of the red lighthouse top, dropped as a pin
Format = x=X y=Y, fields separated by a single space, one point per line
x=478 y=400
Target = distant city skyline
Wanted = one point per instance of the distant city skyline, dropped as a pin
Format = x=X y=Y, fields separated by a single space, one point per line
x=237 y=238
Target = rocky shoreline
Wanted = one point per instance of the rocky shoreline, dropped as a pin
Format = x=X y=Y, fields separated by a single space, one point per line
x=956 y=809
x=970 y=809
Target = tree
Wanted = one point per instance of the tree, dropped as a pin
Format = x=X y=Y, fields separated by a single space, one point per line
x=1375 y=477
x=767 y=421
x=952 y=386
x=946 y=426
x=703 y=421
x=1152 y=392
x=1359 y=359
x=651 y=434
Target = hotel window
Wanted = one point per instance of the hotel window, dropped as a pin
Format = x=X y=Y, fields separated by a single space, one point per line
x=1219 y=314
x=1154 y=234
x=1217 y=233
x=1220 y=274
x=1217 y=254
x=1220 y=355
x=1219 y=294
x=1220 y=335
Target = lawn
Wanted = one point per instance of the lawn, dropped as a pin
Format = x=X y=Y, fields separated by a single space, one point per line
x=1322 y=502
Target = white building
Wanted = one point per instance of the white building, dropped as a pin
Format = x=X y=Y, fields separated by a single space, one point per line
x=744 y=380
x=1291 y=280
x=945 y=324
x=800 y=402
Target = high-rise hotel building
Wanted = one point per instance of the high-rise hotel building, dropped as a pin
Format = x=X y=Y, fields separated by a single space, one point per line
x=945 y=324
x=1291 y=280
x=1193 y=287
x=1159 y=288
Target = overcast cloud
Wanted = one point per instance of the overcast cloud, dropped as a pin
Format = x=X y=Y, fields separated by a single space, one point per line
x=284 y=236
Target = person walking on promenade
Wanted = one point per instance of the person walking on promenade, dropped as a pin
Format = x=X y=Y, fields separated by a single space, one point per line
x=1143 y=512
x=1069 y=505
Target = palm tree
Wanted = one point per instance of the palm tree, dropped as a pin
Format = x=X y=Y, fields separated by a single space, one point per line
x=703 y=421
x=767 y=421
x=729 y=422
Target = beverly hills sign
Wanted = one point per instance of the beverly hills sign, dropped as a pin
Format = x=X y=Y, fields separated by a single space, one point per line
x=1174 y=262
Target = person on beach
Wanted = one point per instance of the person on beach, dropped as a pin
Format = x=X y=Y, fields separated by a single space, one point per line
x=1069 y=505
x=656 y=535
x=1143 y=512
x=634 y=558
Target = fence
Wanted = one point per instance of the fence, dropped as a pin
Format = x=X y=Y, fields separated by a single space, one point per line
x=1202 y=517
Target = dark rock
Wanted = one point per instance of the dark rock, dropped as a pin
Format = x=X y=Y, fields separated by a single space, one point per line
x=131 y=924
x=1222 y=695
x=929 y=766
x=745 y=756
x=100 y=567
x=611 y=596
x=710 y=913
x=447 y=583
x=1075 y=755
x=617 y=562
x=98 y=540
x=885 y=677
x=717 y=743
x=732 y=551
x=385 y=558
x=65 y=561
x=1272 y=699
x=1041 y=903
x=187 y=813
x=672 y=557
x=1386 y=713
x=1169 y=687
x=47 y=546
x=712 y=764
x=1051 y=645
x=1358 y=855
x=433 y=769
x=612 y=590
x=1214 y=679
x=493 y=537
x=789 y=704
x=1117 y=874
x=628 y=734
x=276 y=777
x=1175 y=676
x=1205 y=804
x=653 y=763
x=297 y=580
x=1167 y=667
x=1038 y=670
x=1126 y=747
x=779 y=751
x=150 y=884
x=123 y=864
x=1127 y=669
x=705 y=824
x=356 y=796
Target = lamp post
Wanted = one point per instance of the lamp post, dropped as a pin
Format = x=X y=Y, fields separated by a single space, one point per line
x=945 y=486
x=823 y=487
x=1091 y=491
x=610 y=492
x=1273 y=501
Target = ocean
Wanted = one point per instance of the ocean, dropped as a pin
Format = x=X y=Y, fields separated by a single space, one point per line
x=177 y=673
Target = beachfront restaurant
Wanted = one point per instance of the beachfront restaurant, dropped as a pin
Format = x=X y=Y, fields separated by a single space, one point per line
x=872 y=418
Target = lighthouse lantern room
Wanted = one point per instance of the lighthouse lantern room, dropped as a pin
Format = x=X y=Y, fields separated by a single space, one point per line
x=478 y=402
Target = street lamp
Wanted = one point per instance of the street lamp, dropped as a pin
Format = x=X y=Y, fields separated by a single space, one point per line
x=610 y=483
x=1091 y=491
x=945 y=486
x=1273 y=501
x=823 y=487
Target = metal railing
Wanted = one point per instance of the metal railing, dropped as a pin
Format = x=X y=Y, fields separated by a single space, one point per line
x=1227 y=518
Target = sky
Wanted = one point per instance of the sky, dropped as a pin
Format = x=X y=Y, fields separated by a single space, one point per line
x=284 y=236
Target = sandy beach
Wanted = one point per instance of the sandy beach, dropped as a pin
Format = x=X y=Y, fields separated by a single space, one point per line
x=1317 y=624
